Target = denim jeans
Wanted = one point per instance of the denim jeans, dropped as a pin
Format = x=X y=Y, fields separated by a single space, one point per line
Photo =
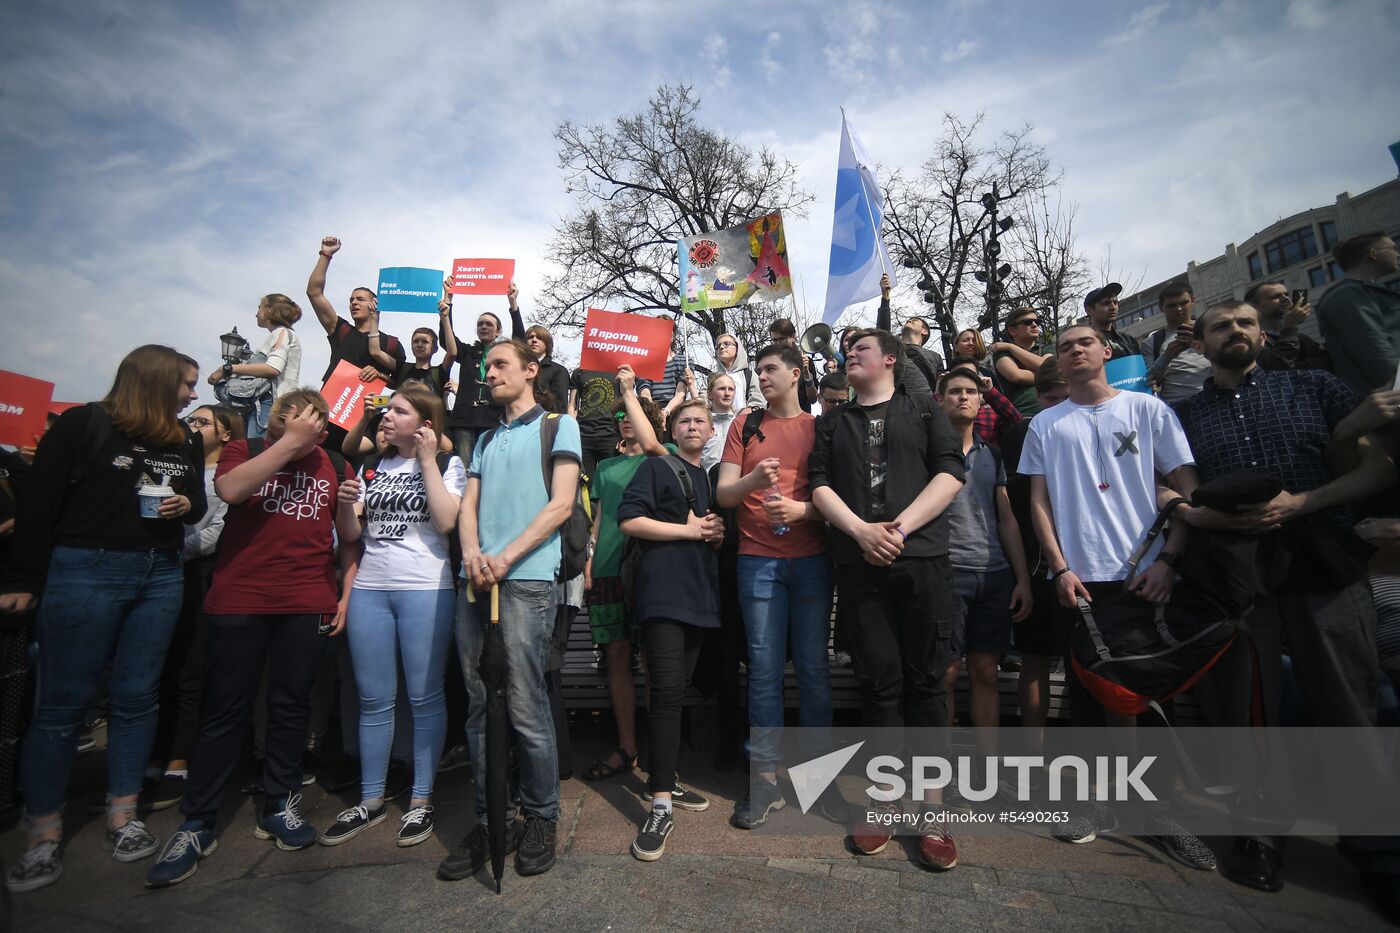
x=527 y=621
x=384 y=626
x=402 y=749
x=785 y=598
x=257 y=418
x=99 y=606
x=463 y=443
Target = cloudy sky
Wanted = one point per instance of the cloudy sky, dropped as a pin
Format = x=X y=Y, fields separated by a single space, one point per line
x=165 y=164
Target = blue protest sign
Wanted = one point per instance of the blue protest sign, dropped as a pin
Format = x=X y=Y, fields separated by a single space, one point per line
x=1128 y=373
x=404 y=288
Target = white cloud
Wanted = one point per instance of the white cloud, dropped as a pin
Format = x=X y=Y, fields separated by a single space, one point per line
x=716 y=50
x=771 y=67
x=1143 y=21
x=963 y=49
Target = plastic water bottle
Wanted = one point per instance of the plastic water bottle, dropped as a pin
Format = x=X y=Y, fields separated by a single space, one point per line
x=773 y=495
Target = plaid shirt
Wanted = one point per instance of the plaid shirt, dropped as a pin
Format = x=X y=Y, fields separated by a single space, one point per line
x=992 y=418
x=1276 y=422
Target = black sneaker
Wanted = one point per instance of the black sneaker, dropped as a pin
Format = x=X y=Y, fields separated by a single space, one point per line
x=651 y=839
x=1181 y=845
x=397 y=780
x=350 y=823
x=455 y=758
x=345 y=776
x=164 y=793
x=417 y=826
x=40 y=866
x=131 y=843
x=537 y=842
x=763 y=798
x=684 y=798
x=1086 y=822
x=472 y=852
x=310 y=767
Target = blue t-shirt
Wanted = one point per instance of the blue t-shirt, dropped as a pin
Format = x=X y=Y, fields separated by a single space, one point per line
x=513 y=492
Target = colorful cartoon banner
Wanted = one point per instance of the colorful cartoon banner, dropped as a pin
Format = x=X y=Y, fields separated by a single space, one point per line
x=405 y=288
x=24 y=404
x=611 y=340
x=481 y=276
x=345 y=393
x=733 y=266
x=1128 y=373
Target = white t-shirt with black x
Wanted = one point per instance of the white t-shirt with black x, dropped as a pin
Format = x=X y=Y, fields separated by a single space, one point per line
x=1100 y=463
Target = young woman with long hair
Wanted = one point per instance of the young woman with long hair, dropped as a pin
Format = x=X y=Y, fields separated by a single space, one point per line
x=403 y=508
x=97 y=546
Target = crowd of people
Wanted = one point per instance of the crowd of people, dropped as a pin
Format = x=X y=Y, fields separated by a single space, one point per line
x=955 y=516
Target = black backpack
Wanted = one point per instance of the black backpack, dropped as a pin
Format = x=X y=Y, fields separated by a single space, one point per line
x=631 y=550
x=576 y=531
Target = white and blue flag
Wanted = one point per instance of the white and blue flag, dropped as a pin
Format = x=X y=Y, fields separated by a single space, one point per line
x=858 y=253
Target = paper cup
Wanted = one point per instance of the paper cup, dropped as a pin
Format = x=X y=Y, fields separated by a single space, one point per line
x=151 y=497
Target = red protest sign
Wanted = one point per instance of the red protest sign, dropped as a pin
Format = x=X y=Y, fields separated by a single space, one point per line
x=481 y=276
x=611 y=340
x=24 y=404
x=345 y=393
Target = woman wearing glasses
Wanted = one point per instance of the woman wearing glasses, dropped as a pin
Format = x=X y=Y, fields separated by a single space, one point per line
x=1017 y=359
x=182 y=681
x=734 y=362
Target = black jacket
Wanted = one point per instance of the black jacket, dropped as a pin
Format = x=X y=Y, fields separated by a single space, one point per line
x=920 y=444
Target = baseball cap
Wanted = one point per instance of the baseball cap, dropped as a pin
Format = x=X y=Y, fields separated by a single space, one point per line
x=1111 y=290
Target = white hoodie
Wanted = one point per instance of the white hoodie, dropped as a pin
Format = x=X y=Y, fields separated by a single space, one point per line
x=746 y=391
x=714 y=447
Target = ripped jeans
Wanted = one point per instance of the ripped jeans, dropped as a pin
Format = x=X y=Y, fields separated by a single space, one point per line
x=99 y=606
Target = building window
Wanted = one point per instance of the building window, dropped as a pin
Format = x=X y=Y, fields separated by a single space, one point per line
x=1317 y=276
x=1256 y=271
x=1329 y=234
x=1335 y=270
x=1290 y=249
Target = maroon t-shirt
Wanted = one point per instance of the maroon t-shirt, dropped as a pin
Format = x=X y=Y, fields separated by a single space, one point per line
x=276 y=555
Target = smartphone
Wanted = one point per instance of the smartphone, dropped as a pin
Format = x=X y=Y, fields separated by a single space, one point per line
x=327 y=623
x=379 y=401
x=1300 y=295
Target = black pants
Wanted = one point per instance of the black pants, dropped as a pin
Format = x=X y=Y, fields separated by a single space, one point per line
x=239 y=648
x=596 y=449
x=672 y=650
x=899 y=628
x=182 y=680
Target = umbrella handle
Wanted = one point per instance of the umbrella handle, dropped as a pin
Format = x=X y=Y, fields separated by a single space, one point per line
x=471 y=593
x=495 y=604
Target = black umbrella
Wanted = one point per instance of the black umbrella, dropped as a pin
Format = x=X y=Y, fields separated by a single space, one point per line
x=495 y=673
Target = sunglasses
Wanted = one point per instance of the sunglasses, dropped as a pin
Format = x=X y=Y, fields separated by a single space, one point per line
x=621 y=416
x=1027 y=322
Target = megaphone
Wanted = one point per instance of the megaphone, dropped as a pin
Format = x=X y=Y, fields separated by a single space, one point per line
x=817 y=339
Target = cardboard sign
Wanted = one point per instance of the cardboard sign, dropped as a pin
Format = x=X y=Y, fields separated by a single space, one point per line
x=345 y=393
x=24 y=404
x=405 y=288
x=729 y=267
x=482 y=276
x=611 y=340
x=1128 y=373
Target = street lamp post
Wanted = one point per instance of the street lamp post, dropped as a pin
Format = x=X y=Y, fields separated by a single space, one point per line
x=991 y=274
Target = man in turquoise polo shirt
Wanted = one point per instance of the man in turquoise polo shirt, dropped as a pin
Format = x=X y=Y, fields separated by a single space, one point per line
x=509 y=525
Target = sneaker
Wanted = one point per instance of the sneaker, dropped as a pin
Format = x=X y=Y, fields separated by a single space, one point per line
x=472 y=852
x=86 y=743
x=281 y=821
x=131 y=843
x=537 y=842
x=936 y=850
x=345 y=776
x=310 y=767
x=1186 y=848
x=871 y=838
x=417 y=826
x=455 y=758
x=763 y=798
x=397 y=780
x=40 y=866
x=651 y=839
x=182 y=854
x=1086 y=822
x=164 y=793
x=683 y=798
x=350 y=823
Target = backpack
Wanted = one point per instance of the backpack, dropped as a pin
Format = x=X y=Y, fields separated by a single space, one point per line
x=576 y=532
x=1134 y=656
x=632 y=552
x=243 y=393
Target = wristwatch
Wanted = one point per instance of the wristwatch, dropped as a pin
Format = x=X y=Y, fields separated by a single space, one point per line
x=1171 y=559
x=228 y=369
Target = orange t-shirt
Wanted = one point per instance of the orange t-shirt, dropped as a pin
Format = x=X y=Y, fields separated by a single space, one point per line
x=790 y=440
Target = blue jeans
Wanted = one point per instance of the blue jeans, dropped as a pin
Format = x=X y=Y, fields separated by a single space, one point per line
x=779 y=596
x=99 y=607
x=385 y=625
x=258 y=417
x=527 y=621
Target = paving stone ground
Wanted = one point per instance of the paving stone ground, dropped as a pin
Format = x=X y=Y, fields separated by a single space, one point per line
x=712 y=877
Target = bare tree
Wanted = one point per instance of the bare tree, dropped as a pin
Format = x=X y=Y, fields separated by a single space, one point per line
x=642 y=183
x=936 y=221
x=1048 y=271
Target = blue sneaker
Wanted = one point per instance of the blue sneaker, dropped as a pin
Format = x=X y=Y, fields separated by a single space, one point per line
x=281 y=821
x=193 y=841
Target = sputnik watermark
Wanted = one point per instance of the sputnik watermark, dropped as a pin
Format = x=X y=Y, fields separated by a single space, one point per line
x=1113 y=777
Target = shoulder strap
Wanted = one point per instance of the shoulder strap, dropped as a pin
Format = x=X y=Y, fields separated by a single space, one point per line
x=683 y=475
x=752 y=422
x=337 y=463
x=256 y=445
x=549 y=430
x=444 y=460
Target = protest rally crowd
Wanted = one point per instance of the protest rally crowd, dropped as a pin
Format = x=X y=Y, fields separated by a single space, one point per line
x=207 y=573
